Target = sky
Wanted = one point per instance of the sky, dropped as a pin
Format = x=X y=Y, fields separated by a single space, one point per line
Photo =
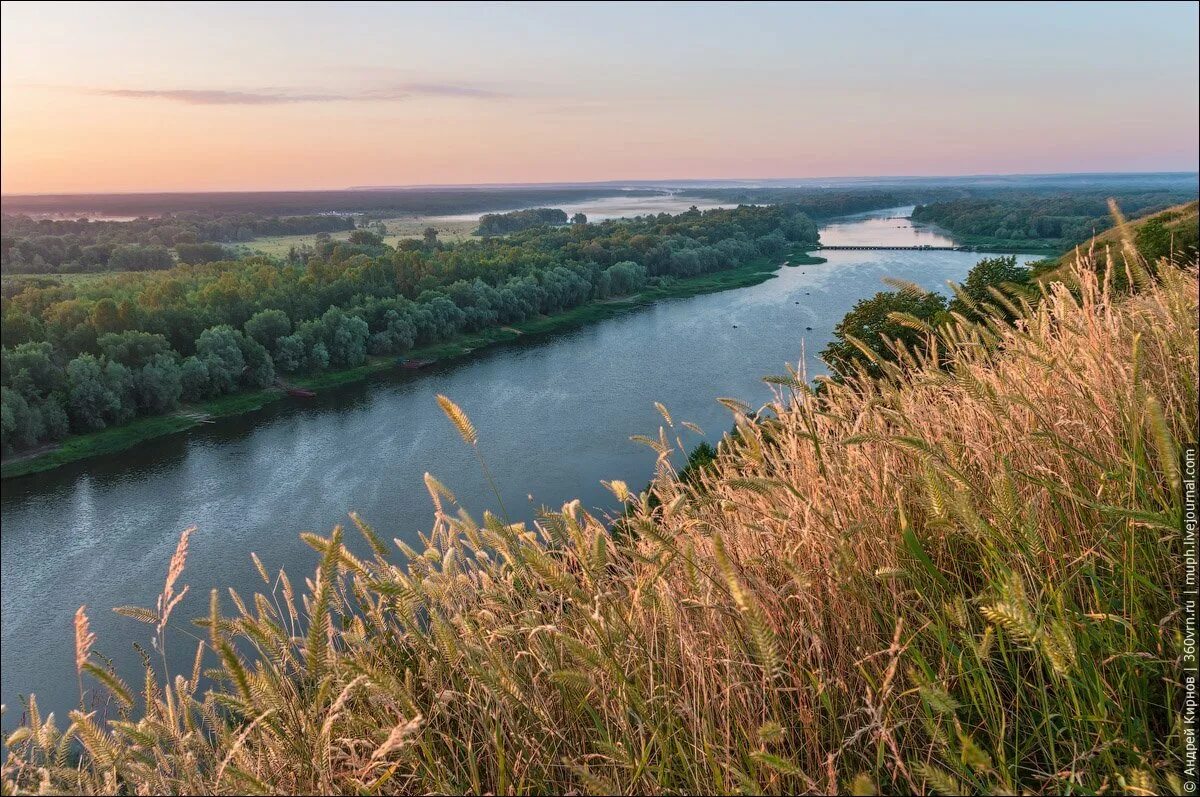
x=101 y=97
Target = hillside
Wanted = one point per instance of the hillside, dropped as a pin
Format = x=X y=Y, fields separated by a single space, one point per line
x=1053 y=222
x=961 y=576
x=1178 y=227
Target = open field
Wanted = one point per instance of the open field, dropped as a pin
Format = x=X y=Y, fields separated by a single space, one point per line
x=398 y=229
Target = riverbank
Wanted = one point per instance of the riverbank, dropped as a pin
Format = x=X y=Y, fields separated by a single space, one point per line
x=119 y=438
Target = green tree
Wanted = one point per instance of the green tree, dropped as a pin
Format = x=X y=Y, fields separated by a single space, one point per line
x=133 y=348
x=991 y=272
x=220 y=348
x=104 y=316
x=194 y=381
x=91 y=398
x=158 y=384
x=198 y=253
x=268 y=326
x=872 y=322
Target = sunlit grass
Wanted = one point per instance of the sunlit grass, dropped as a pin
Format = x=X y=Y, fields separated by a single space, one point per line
x=960 y=577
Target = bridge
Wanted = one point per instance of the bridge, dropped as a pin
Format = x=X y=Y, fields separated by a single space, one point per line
x=925 y=248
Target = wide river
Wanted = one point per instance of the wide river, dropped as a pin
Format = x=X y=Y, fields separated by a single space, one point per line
x=554 y=415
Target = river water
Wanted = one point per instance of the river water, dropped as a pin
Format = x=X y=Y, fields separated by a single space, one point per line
x=554 y=416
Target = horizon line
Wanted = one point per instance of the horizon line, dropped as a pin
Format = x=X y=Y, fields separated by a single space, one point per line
x=611 y=182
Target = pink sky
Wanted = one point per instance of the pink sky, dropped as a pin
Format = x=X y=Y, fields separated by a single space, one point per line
x=107 y=97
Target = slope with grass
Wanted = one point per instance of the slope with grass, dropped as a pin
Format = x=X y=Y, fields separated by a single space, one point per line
x=1179 y=226
x=951 y=578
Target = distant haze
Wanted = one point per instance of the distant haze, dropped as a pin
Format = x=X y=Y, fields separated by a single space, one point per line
x=199 y=97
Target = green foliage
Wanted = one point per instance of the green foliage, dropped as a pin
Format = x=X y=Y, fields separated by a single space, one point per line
x=138 y=257
x=504 y=223
x=872 y=334
x=33 y=246
x=1160 y=238
x=1057 y=220
x=217 y=328
x=988 y=274
x=701 y=458
x=92 y=399
x=201 y=253
x=267 y=327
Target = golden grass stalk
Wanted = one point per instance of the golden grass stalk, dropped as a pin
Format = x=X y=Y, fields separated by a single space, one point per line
x=84 y=639
x=459 y=418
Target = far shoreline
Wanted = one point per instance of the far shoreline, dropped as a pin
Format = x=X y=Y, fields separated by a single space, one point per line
x=113 y=440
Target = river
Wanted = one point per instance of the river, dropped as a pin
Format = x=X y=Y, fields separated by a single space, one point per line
x=554 y=415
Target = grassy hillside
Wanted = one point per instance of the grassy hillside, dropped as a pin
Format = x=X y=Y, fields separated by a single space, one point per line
x=951 y=578
x=1181 y=224
x=1035 y=221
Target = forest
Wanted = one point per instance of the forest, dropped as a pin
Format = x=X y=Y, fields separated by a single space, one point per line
x=194 y=227
x=1053 y=221
x=515 y=220
x=80 y=356
x=49 y=246
x=431 y=201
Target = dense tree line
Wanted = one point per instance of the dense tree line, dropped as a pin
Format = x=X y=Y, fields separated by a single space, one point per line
x=46 y=246
x=384 y=202
x=513 y=221
x=83 y=355
x=817 y=203
x=1057 y=221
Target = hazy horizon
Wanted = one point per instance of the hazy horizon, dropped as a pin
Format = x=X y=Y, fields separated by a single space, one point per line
x=117 y=98
x=668 y=183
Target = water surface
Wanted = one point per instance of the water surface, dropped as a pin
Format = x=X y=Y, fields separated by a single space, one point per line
x=615 y=207
x=554 y=416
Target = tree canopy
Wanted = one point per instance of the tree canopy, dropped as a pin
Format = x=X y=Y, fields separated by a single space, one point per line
x=86 y=354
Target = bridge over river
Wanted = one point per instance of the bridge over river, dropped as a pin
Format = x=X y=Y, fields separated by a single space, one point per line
x=925 y=248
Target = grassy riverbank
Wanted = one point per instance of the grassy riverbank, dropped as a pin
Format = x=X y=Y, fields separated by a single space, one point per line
x=120 y=438
x=961 y=578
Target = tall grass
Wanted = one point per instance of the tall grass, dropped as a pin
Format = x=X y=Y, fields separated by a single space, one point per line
x=958 y=577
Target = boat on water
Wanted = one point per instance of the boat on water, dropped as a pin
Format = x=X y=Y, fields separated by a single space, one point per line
x=412 y=365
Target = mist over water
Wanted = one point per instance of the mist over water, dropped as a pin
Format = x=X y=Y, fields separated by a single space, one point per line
x=554 y=416
x=617 y=207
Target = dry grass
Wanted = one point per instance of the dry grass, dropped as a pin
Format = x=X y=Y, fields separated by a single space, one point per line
x=953 y=578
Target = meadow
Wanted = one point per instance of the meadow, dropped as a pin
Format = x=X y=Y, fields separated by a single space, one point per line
x=398 y=229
